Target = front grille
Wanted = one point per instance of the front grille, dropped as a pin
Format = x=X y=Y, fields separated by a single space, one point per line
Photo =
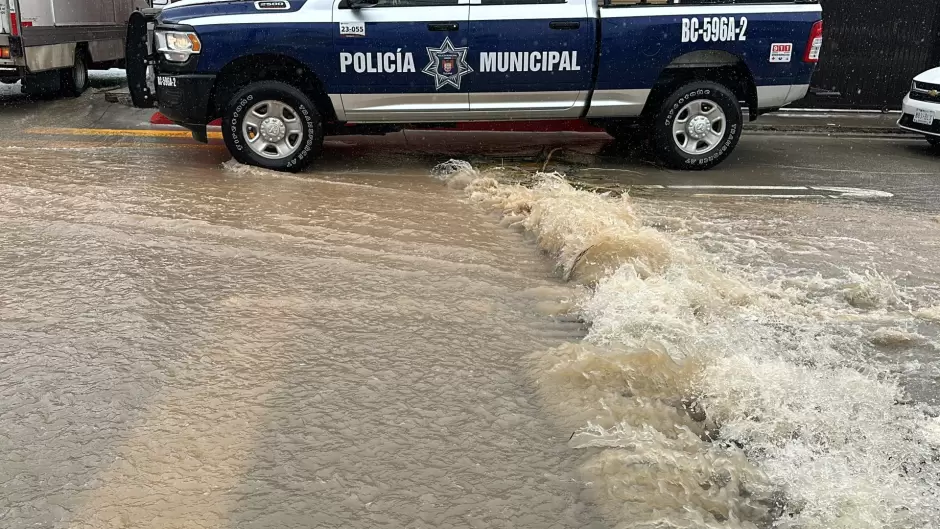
x=907 y=120
x=925 y=96
x=926 y=87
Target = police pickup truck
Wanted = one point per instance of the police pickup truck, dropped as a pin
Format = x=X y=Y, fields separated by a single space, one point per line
x=281 y=74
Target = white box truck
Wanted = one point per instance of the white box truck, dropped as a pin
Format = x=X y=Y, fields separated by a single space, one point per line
x=50 y=45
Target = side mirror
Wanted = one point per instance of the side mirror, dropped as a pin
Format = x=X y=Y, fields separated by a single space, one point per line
x=359 y=4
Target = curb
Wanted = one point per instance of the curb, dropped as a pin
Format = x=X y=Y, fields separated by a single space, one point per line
x=829 y=122
x=830 y=130
x=122 y=98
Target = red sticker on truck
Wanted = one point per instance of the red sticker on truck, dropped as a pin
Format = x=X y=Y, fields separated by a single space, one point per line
x=781 y=52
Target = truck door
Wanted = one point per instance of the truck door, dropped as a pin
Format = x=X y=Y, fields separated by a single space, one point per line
x=402 y=60
x=533 y=58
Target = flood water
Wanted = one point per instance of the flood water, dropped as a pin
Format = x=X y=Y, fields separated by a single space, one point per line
x=749 y=363
x=205 y=346
x=236 y=348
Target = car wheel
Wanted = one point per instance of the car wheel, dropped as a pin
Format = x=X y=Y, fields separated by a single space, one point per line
x=75 y=79
x=697 y=126
x=933 y=141
x=273 y=125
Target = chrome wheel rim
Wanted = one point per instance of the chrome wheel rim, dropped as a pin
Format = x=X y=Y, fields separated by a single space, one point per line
x=273 y=129
x=699 y=127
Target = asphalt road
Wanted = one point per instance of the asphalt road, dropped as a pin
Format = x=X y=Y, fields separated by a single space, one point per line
x=772 y=162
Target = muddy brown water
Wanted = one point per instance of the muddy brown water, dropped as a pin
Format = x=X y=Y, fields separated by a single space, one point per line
x=201 y=347
x=189 y=345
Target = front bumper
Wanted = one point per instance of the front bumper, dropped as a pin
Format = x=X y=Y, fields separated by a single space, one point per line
x=184 y=99
x=909 y=107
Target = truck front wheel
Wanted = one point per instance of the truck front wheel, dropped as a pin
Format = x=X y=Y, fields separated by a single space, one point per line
x=697 y=126
x=273 y=125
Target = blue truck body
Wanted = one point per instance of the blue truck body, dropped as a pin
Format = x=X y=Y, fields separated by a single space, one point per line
x=435 y=61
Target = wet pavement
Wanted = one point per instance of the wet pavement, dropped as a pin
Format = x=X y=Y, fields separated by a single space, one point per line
x=187 y=342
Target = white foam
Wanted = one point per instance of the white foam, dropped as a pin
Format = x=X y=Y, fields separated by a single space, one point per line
x=711 y=398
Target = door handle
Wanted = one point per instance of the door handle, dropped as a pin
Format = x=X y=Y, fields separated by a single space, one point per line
x=444 y=26
x=564 y=25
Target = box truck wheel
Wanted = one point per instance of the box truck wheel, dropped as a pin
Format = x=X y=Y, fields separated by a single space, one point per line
x=697 y=126
x=273 y=125
x=75 y=79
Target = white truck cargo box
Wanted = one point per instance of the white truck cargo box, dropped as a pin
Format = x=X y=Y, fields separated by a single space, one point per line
x=52 y=43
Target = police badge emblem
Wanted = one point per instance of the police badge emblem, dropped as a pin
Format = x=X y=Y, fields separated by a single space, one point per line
x=447 y=65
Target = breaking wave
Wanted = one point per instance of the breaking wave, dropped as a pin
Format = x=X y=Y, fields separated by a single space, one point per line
x=705 y=399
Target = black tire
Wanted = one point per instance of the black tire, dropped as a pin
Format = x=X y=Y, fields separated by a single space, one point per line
x=934 y=141
x=666 y=145
x=139 y=70
x=311 y=123
x=75 y=79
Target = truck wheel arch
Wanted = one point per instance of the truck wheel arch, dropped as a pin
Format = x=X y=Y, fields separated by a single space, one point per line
x=716 y=66
x=268 y=67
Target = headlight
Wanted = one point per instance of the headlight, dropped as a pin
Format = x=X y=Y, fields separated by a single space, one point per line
x=178 y=46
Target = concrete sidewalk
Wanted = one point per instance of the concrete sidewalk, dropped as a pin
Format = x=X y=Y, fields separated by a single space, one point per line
x=810 y=121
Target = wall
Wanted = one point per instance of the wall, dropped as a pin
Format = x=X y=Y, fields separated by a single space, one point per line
x=871 y=51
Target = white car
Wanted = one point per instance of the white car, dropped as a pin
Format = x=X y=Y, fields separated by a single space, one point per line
x=922 y=107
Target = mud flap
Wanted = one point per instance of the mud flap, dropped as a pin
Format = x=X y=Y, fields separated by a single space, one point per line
x=139 y=58
x=200 y=133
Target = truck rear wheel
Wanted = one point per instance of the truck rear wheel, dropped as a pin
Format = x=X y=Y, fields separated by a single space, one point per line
x=273 y=125
x=75 y=79
x=697 y=126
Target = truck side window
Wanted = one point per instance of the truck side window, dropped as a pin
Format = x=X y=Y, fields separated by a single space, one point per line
x=623 y=3
x=516 y=2
x=404 y=3
x=720 y=2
